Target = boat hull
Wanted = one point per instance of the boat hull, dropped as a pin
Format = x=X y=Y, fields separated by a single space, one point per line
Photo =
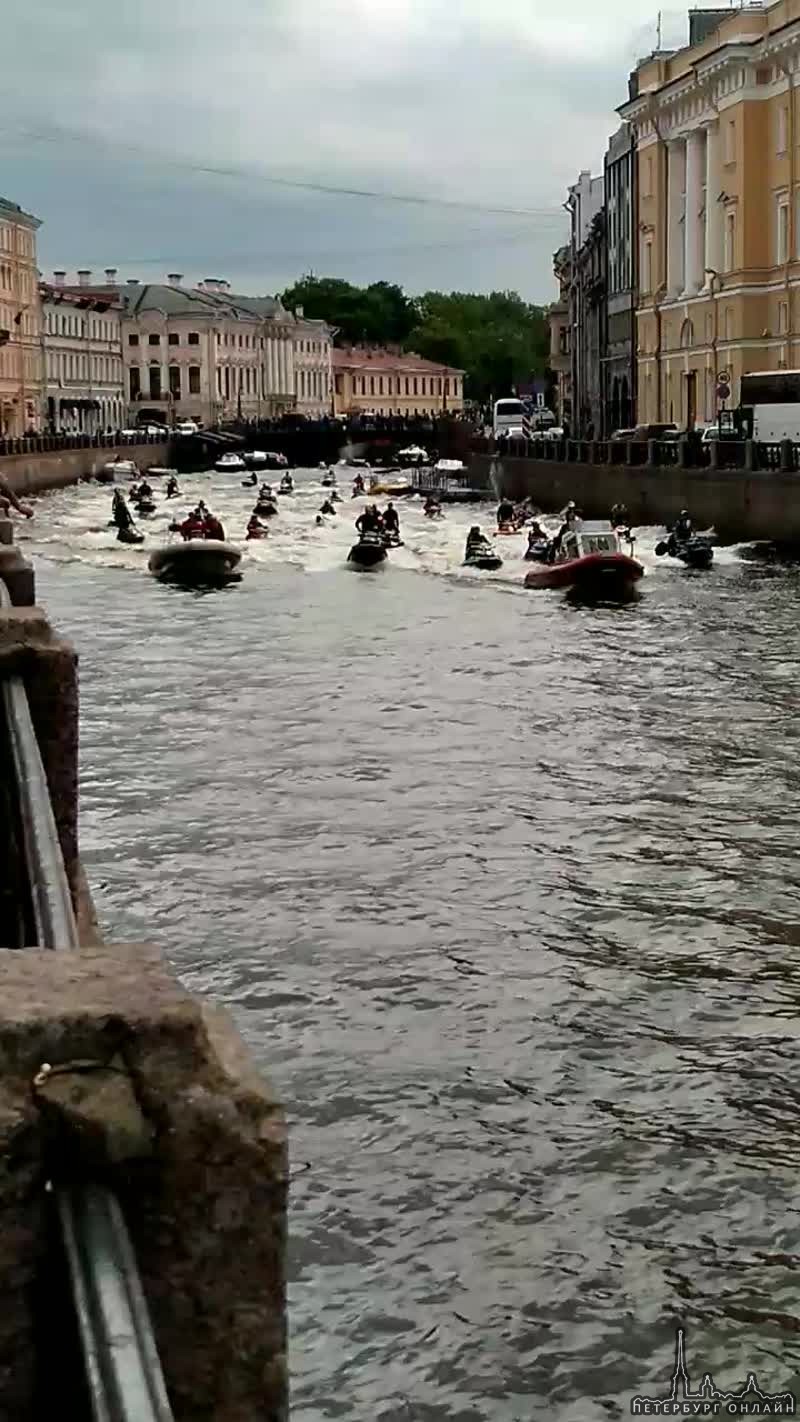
x=197 y=562
x=367 y=555
x=484 y=562
x=606 y=574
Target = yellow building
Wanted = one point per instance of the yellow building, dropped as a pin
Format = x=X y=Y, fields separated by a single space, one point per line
x=385 y=383
x=718 y=151
x=20 y=322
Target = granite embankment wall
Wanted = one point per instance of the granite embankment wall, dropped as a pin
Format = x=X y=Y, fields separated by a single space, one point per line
x=55 y=468
x=742 y=505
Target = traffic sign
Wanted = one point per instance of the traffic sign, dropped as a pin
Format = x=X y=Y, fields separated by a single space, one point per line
x=724 y=377
x=723 y=386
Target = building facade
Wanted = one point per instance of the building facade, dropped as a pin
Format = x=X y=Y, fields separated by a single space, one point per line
x=587 y=268
x=383 y=382
x=717 y=128
x=205 y=353
x=20 y=322
x=83 y=386
x=313 y=366
x=618 y=358
x=558 y=317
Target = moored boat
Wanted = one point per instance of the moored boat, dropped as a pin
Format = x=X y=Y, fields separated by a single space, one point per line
x=591 y=560
x=369 y=551
x=196 y=562
x=229 y=462
x=116 y=468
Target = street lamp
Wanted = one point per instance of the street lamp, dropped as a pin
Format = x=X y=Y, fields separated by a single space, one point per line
x=711 y=276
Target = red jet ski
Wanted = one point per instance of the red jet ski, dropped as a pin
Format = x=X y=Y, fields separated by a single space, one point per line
x=592 y=560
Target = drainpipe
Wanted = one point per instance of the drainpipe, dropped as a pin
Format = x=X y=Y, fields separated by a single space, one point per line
x=662 y=286
x=791 y=237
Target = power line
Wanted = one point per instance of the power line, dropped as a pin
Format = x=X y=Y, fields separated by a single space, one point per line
x=57 y=134
x=321 y=254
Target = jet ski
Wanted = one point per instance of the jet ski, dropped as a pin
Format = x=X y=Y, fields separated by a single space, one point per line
x=146 y=506
x=129 y=535
x=694 y=552
x=538 y=552
x=265 y=509
x=482 y=556
x=392 y=540
x=287 y=484
x=369 y=551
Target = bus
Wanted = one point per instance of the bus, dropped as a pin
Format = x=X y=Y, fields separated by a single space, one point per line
x=507 y=417
x=769 y=406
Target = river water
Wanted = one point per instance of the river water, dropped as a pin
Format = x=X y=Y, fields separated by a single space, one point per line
x=504 y=893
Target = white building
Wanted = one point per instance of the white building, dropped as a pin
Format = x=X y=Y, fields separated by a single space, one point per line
x=196 y=353
x=83 y=387
x=313 y=344
x=205 y=353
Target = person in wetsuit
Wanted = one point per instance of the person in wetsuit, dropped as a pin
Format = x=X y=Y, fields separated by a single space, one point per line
x=173 y=492
x=505 y=512
x=212 y=528
x=476 y=542
x=620 y=517
x=682 y=527
x=391 y=520
x=369 y=521
x=120 y=512
x=329 y=508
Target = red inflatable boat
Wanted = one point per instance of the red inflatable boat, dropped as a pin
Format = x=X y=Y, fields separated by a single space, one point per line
x=593 y=560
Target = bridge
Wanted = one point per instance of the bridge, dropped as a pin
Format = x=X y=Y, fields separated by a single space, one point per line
x=143 y=1162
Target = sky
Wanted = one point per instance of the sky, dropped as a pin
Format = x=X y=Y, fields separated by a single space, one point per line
x=193 y=136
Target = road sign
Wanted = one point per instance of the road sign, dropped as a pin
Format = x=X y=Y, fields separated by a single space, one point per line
x=723 y=386
x=724 y=378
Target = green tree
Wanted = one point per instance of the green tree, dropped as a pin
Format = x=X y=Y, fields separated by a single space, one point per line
x=499 y=340
x=379 y=314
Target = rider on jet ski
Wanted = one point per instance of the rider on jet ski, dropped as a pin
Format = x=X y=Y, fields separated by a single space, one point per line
x=476 y=542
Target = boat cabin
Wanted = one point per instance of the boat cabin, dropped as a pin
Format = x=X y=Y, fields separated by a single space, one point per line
x=590 y=537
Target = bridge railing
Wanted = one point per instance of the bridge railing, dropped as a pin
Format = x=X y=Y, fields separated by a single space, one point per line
x=681 y=453
x=46 y=443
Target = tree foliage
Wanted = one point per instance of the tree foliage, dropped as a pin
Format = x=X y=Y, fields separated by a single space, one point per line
x=499 y=340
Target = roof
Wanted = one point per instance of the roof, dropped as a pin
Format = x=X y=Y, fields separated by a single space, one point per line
x=363 y=358
x=13 y=211
x=81 y=295
x=190 y=301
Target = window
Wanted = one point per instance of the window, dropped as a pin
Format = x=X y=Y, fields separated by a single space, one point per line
x=730 y=141
x=338 y=385
x=372 y=385
x=135 y=382
x=155 y=382
x=783 y=128
x=407 y=384
x=193 y=338
x=416 y=392
x=194 y=380
x=133 y=339
x=380 y=385
x=153 y=340
x=175 y=381
x=782 y=229
x=730 y=240
x=173 y=338
x=783 y=316
x=647 y=264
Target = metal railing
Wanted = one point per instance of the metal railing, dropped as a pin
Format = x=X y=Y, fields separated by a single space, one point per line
x=44 y=443
x=122 y=1368
x=750 y=455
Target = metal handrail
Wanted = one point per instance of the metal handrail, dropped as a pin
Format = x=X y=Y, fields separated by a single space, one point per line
x=122 y=1366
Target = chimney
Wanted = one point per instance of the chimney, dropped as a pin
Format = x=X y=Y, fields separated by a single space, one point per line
x=174 y=278
x=133 y=281
x=213 y=284
x=59 y=278
x=84 y=276
x=298 y=311
x=111 y=276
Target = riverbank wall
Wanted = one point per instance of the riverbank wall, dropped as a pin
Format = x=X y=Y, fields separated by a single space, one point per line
x=35 y=473
x=742 y=505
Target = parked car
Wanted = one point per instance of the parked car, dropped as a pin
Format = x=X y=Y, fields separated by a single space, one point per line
x=644 y=432
x=186 y=427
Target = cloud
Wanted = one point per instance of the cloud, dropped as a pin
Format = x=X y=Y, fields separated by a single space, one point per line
x=497 y=103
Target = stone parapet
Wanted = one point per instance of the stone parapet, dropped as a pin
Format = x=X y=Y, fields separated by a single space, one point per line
x=152 y=1094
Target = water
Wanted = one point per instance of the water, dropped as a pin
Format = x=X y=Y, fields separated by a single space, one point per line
x=504 y=895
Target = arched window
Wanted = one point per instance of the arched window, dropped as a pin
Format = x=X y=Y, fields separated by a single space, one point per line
x=687 y=335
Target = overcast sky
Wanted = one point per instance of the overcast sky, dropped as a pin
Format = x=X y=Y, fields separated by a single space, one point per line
x=108 y=113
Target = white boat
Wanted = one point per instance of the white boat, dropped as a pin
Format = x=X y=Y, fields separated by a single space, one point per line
x=159 y=472
x=227 y=463
x=117 y=468
x=447 y=467
x=414 y=454
x=196 y=562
